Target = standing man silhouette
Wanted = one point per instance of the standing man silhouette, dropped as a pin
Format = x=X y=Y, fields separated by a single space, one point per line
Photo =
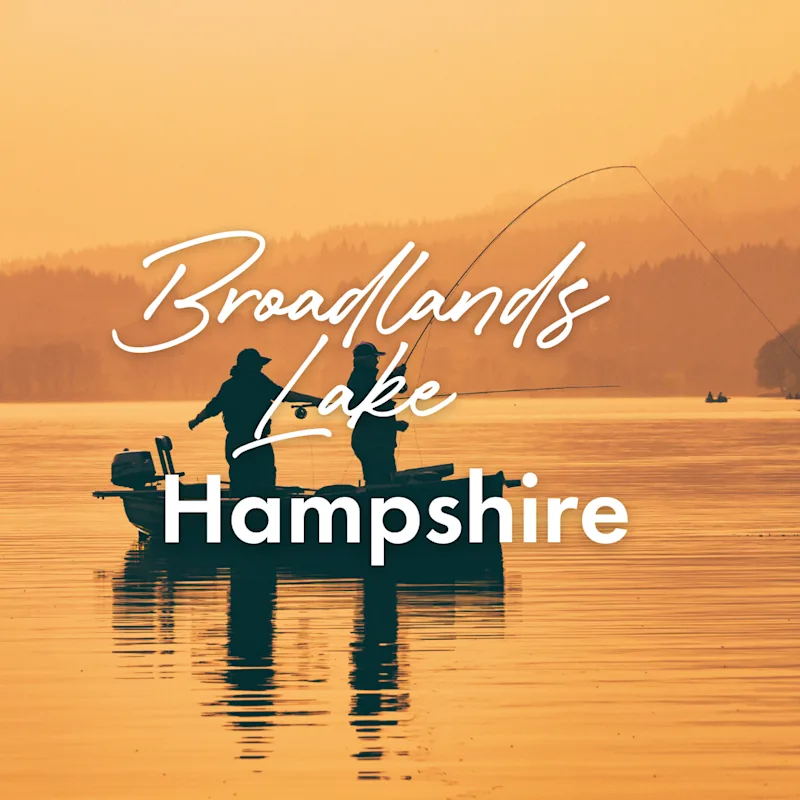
x=374 y=438
x=243 y=400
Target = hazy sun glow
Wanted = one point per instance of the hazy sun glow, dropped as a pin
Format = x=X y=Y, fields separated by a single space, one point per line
x=132 y=122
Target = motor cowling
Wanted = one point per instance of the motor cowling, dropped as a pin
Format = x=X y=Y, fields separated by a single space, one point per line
x=133 y=469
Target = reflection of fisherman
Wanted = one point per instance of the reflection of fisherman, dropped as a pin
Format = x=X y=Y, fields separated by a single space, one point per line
x=374 y=438
x=243 y=400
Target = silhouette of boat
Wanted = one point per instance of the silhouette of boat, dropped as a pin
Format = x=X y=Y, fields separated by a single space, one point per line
x=720 y=398
x=143 y=498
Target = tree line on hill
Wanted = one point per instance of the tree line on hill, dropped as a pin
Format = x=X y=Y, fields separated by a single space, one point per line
x=676 y=328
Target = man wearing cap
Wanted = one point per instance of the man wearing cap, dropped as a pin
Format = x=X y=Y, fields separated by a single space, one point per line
x=243 y=400
x=374 y=438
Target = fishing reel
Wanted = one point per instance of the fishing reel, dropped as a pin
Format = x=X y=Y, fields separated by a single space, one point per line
x=301 y=411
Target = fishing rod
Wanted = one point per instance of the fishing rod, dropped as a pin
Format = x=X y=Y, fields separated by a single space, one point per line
x=301 y=409
x=530 y=389
x=534 y=389
x=658 y=194
x=505 y=228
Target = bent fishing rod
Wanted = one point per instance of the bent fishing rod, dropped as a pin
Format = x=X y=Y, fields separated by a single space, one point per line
x=680 y=219
x=529 y=389
x=301 y=412
x=504 y=229
x=532 y=389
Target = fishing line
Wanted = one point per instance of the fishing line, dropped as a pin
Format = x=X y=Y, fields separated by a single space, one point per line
x=416 y=441
x=521 y=214
x=529 y=389
x=347 y=468
x=311 y=455
x=724 y=268
x=534 y=389
x=658 y=194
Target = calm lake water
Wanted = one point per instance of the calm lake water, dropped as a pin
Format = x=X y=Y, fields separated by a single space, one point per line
x=666 y=665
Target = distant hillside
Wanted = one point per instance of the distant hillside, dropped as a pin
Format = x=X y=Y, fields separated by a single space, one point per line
x=740 y=188
x=761 y=130
x=680 y=327
x=732 y=210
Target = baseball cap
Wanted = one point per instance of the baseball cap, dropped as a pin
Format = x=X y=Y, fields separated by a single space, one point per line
x=250 y=357
x=366 y=349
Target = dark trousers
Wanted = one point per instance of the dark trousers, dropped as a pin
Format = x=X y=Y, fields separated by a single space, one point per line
x=253 y=473
x=377 y=464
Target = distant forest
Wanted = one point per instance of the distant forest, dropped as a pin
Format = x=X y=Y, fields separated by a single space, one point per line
x=676 y=328
x=676 y=324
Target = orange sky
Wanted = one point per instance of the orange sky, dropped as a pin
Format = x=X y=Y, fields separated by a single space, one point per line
x=151 y=120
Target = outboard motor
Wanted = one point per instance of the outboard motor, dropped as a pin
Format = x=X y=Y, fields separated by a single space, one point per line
x=133 y=469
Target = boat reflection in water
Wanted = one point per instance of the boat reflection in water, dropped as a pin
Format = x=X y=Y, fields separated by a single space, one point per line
x=268 y=640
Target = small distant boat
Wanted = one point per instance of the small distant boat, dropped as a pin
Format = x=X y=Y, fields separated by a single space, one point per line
x=720 y=398
x=791 y=396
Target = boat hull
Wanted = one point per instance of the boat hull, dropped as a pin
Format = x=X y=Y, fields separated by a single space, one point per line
x=145 y=510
